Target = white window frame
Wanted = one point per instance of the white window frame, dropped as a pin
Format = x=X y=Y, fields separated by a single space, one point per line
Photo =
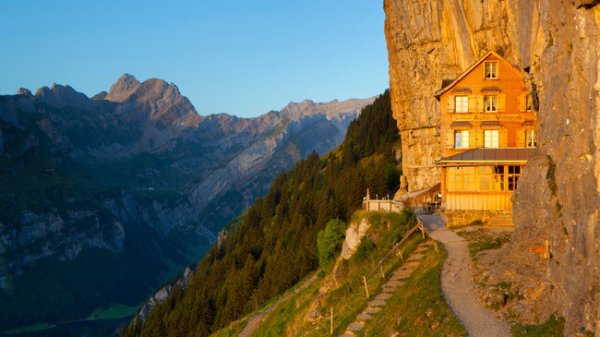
x=491 y=139
x=528 y=102
x=461 y=142
x=491 y=70
x=530 y=143
x=490 y=103
x=461 y=104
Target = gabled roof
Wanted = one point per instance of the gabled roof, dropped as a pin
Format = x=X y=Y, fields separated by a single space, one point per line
x=466 y=72
x=490 y=156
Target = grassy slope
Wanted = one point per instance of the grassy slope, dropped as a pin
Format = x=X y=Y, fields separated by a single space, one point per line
x=418 y=308
x=421 y=292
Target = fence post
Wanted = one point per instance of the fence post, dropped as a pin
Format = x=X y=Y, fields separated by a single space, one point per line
x=366 y=286
x=331 y=322
x=382 y=273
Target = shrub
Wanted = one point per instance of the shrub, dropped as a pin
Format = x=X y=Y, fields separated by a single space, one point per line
x=329 y=242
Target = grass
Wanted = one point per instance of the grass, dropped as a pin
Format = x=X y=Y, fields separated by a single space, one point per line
x=307 y=312
x=236 y=327
x=232 y=329
x=553 y=327
x=480 y=240
x=347 y=300
x=418 y=308
x=30 y=328
x=113 y=311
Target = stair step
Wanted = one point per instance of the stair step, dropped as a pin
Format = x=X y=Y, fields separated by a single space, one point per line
x=346 y=334
x=415 y=257
x=383 y=297
x=355 y=326
x=376 y=303
x=371 y=311
x=363 y=317
x=394 y=284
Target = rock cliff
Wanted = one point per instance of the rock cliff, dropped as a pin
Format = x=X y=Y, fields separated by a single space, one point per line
x=556 y=43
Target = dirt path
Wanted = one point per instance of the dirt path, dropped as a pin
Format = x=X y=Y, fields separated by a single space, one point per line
x=458 y=286
x=255 y=320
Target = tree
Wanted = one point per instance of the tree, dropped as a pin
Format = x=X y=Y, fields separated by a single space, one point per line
x=329 y=242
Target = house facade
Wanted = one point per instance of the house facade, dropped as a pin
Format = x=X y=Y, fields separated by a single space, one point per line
x=487 y=134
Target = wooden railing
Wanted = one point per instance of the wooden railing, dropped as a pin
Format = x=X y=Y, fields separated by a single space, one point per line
x=418 y=226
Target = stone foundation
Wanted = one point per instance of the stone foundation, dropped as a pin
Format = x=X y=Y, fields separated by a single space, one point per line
x=465 y=218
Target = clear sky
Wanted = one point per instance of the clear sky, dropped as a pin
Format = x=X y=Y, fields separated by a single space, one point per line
x=243 y=57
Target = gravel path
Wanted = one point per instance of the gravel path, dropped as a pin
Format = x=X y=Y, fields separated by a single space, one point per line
x=458 y=286
x=255 y=320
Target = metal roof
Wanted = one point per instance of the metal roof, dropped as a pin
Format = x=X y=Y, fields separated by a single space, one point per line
x=489 y=156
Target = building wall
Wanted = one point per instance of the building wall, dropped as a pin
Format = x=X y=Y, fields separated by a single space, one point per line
x=511 y=120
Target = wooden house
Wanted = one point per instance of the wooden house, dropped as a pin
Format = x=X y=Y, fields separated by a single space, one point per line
x=487 y=135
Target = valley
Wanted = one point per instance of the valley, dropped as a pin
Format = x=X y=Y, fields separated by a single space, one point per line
x=104 y=199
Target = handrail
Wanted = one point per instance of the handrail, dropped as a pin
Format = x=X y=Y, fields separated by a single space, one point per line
x=418 y=226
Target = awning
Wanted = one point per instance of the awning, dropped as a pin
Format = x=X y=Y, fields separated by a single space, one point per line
x=490 y=89
x=491 y=123
x=462 y=90
x=418 y=193
x=489 y=156
x=461 y=124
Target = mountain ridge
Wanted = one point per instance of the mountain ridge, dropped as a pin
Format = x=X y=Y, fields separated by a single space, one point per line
x=128 y=181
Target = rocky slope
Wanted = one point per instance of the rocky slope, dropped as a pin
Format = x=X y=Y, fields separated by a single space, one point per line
x=117 y=192
x=556 y=43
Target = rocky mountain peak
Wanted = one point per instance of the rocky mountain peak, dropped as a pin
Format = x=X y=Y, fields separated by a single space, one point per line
x=123 y=88
x=61 y=96
x=332 y=109
x=24 y=91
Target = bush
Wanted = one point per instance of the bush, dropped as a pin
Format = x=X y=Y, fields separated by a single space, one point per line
x=329 y=242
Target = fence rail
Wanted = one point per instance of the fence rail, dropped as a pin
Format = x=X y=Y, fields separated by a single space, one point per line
x=418 y=226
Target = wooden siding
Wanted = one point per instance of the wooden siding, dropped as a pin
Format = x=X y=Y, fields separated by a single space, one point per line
x=488 y=201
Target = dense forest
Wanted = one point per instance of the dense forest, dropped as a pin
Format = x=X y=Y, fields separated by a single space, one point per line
x=274 y=245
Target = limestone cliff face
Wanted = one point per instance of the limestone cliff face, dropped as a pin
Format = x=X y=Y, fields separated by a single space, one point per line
x=437 y=40
x=556 y=43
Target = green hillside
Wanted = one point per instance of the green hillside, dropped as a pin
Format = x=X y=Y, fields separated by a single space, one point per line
x=275 y=245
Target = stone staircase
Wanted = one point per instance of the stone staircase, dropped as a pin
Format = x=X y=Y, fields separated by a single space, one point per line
x=504 y=219
x=397 y=279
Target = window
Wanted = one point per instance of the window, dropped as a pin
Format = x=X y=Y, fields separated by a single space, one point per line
x=530 y=138
x=462 y=103
x=490 y=103
x=491 y=70
x=461 y=139
x=461 y=179
x=528 y=103
x=490 y=138
x=498 y=178
x=514 y=172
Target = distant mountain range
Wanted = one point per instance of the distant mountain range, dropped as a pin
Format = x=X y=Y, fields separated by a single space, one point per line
x=102 y=199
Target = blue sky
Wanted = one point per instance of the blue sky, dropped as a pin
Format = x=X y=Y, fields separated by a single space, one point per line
x=240 y=57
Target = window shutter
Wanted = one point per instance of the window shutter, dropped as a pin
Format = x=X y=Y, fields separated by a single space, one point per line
x=451 y=103
x=479 y=104
x=522 y=106
x=503 y=138
x=472 y=104
x=521 y=138
x=478 y=138
x=501 y=103
x=449 y=139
